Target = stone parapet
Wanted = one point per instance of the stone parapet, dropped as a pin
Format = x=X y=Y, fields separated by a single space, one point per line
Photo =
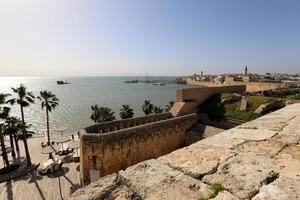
x=107 y=153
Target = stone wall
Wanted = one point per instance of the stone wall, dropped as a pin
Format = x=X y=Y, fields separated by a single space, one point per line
x=188 y=99
x=106 y=153
x=126 y=123
x=250 y=86
x=262 y=86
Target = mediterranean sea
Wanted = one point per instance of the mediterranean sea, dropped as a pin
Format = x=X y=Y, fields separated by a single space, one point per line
x=76 y=98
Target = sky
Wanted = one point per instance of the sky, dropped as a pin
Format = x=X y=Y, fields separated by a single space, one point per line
x=157 y=37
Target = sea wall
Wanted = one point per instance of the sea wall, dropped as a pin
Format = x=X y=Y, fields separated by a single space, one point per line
x=250 y=86
x=108 y=152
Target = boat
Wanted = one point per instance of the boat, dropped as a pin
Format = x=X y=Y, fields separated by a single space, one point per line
x=131 y=81
x=62 y=82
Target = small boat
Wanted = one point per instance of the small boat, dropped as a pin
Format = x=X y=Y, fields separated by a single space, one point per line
x=61 y=82
x=154 y=84
x=131 y=81
x=162 y=84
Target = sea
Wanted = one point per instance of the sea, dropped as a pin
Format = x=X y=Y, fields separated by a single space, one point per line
x=76 y=98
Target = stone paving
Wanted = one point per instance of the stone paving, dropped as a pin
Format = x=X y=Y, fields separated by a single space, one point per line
x=259 y=160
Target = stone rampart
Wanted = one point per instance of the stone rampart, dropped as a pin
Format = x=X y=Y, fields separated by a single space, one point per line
x=108 y=152
x=250 y=86
x=187 y=100
x=126 y=123
x=263 y=86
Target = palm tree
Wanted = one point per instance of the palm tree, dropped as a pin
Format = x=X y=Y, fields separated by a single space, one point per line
x=12 y=128
x=147 y=107
x=48 y=101
x=169 y=106
x=24 y=99
x=102 y=114
x=157 y=109
x=126 y=112
x=4 y=113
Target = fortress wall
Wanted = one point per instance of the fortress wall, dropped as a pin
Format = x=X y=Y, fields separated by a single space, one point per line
x=250 y=86
x=189 y=99
x=107 y=153
x=199 y=95
x=262 y=86
x=126 y=123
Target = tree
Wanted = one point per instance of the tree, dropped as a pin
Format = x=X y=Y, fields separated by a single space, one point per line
x=157 y=109
x=48 y=101
x=126 y=112
x=12 y=128
x=24 y=99
x=4 y=113
x=169 y=106
x=147 y=107
x=102 y=114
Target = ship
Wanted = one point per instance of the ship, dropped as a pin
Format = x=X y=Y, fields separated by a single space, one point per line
x=62 y=82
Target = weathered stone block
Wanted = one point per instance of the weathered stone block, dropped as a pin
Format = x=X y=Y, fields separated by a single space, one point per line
x=244 y=104
x=153 y=180
x=243 y=174
x=197 y=160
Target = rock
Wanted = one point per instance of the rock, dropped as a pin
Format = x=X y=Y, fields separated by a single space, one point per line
x=98 y=189
x=197 y=160
x=243 y=174
x=271 y=192
x=250 y=134
x=244 y=103
x=270 y=106
x=281 y=189
x=235 y=97
x=225 y=195
x=153 y=180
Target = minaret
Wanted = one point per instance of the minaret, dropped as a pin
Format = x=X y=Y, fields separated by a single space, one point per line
x=201 y=73
x=246 y=71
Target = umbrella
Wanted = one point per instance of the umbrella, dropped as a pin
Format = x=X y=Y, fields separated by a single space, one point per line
x=61 y=140
x=61 y=130
x=50 y=149
x=73 y=145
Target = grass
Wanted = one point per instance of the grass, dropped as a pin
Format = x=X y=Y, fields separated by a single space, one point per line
x=185 y=172
x=215 y=189
x=231 y=110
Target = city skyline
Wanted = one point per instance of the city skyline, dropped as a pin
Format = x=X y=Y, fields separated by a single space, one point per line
x=123 y=38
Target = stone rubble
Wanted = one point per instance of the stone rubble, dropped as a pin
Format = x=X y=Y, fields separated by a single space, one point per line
x=259 y=160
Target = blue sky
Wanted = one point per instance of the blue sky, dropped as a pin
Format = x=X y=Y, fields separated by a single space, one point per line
x=158 y=37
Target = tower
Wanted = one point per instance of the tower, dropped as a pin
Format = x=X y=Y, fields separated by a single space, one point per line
x=246 y=71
